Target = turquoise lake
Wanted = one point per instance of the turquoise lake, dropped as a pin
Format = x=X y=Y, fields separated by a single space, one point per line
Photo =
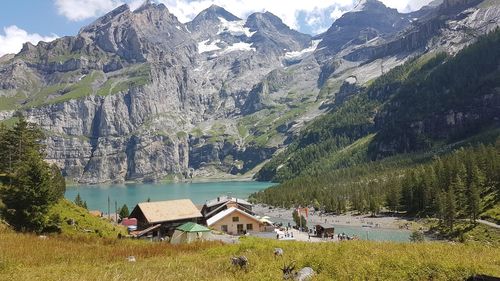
x=96 y=196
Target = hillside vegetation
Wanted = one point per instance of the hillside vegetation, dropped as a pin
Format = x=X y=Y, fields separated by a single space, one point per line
x=76 y=221
x=386 y=147
x=29 y=185
x=26 y=257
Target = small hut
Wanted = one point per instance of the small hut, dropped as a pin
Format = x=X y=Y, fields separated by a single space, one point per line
x=190 y=232
x=325 y=230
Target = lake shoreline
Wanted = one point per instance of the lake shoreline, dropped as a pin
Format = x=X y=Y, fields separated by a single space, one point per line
x=194 y=180
x=350 y=219
x=131 y=194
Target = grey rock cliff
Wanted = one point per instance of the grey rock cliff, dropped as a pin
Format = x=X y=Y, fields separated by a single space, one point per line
x=138 y=95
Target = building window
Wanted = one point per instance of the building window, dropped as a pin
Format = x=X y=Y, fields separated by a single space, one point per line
x=223 y=228
x=239 y=228
x=249 y=226
x=236 y=219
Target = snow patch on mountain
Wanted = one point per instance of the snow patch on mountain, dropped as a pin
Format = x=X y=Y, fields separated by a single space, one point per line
x=235 y=28
x=203 y=47
x=241 y=46
x=302 y=53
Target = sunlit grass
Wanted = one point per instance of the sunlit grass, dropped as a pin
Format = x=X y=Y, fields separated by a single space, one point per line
x=27 y=257
x=76 y=221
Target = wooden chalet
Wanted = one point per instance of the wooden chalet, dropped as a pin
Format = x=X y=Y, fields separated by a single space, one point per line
x=219 y=204
x=160 y=219
x=235 y=222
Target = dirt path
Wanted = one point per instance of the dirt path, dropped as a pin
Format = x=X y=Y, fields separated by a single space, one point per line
x=492 y=224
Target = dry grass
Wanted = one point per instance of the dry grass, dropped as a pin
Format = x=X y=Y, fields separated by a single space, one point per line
x=26 y=257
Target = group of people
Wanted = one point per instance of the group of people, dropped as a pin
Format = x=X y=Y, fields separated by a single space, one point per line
x=344 y=237
x=285 y=233
x=339 y=237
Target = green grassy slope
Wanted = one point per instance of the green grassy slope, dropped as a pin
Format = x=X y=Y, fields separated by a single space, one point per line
x=25 y=257
x=73 y=85
x=85 y=225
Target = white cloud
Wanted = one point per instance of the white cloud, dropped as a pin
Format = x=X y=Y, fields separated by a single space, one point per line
x=14 y=38
x=337 y=13
x=134 y=4
x=288 y=10
x=77 y=10
x=319 y=13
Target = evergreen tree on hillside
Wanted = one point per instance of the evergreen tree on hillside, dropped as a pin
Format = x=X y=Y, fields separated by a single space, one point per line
x=79 y=201
x=450 y=211
x=474 y=193
x=441 y=206
x=124 y=212
x=30 y=185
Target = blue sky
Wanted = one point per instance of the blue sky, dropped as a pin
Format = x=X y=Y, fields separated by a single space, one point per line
x=35 y=20
x=37 y=16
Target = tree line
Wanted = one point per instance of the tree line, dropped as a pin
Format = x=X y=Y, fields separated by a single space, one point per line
x=461 y=184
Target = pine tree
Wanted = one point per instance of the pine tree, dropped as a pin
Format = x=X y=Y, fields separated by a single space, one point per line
x=393 y=196
x=474 y=198
x=441 y=205
x=29 y=196
x=124 y=212
x=78 y=200
x=451 y=205
x=58 y=182
x=374 y=205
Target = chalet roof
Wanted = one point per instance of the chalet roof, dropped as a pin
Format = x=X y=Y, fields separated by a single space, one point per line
x=156 y=212
x=228 y=212
x=225 y=199
x=241 y=206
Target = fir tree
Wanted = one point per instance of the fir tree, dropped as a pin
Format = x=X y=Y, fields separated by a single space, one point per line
x=474 y=198
x=124 y=212
x=78 y=200
x=451 y=205
x=30 y=185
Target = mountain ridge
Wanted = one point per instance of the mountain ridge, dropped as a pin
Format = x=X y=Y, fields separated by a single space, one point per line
x=137 y=95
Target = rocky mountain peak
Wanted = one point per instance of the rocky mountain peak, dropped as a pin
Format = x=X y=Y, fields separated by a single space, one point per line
x=208 y=22
x=369 y=20
x=215 y=12
x=266 y=21
x=272 y=34
x=136 y=36
x=122 y=10
x=366 y=5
